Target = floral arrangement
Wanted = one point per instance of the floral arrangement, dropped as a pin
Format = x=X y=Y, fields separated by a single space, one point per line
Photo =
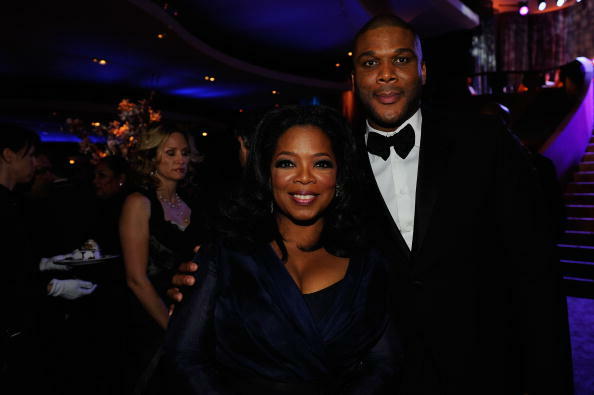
x=121 y=134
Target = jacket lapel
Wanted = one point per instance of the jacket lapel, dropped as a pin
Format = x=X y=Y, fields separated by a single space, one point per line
x=433 y=160
x=381 y=214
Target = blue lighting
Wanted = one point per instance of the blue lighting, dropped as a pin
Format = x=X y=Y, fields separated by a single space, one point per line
x=311 y=101
x=281 y=22
x=206 y=92
x=62 y=137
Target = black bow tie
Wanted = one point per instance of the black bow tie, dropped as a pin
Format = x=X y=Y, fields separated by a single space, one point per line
x=402 y=142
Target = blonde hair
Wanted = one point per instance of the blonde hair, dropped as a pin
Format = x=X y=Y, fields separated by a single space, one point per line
x=144 y=158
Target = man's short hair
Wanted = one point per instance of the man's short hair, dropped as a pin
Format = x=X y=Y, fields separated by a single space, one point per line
x=389 y=20
x=17 y=138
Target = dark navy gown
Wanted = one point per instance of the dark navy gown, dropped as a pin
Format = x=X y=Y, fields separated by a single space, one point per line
x=246 y=328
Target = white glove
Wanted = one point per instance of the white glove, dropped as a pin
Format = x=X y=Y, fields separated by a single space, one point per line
x=46 y=264
x=71 y=289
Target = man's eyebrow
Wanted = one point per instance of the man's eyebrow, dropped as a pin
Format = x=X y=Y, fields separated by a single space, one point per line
x=366 y=53
x=396 y=51
x=401 y=50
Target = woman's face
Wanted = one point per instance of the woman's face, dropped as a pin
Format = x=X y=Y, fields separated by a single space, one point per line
x=106 y=183
x=303 y=173
x=173 y=157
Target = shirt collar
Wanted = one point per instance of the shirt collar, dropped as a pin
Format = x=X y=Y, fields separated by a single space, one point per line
x=416 y=121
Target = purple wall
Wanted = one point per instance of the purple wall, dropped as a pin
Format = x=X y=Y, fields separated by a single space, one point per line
x=567 y=144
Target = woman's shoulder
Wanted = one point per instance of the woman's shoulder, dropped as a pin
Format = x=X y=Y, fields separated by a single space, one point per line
x=221 y=257
x=222 y=251
x=375 y=258
x=137 y=200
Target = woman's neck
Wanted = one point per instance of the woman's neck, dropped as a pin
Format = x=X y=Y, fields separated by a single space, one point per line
x=301 y=236
x=167 y=188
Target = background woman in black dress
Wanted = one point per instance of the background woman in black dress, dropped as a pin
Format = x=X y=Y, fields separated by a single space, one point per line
x=157 y=231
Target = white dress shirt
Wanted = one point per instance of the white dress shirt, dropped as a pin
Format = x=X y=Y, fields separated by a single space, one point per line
x=397 y=178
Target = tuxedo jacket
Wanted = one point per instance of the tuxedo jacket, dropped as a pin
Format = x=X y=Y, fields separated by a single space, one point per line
x=478 y=295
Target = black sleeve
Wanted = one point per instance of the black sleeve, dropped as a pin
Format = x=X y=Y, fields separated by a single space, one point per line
x=538 y=306
x=190 y=340
x=379 y=367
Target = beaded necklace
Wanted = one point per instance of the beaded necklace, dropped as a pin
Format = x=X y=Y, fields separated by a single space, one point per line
x=177 y=207
x=173 y=203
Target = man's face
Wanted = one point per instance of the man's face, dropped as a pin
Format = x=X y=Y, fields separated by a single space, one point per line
x=23 y=165
x=388 y=75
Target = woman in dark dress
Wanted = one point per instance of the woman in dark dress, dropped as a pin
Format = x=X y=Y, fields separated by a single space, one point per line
x=291 y=301
x=158 y=230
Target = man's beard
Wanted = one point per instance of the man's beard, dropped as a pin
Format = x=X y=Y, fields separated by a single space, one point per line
x=411 y=107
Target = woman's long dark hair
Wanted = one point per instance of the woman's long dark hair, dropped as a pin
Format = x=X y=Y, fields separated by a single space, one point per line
x=248 y=222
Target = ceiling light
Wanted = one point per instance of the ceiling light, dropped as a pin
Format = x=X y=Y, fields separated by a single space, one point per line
x=560 y=3
x=204 y=134
x=206 y=77
x=350 y=54
x=160 y=36
x=542 y=5
x=578 y=1
x=102 y=62
x=211 y=79
x=275 y=92
x=337 y=64
x=71 y=161
x=523 y=10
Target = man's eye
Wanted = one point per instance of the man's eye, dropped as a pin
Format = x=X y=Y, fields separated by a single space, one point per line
x=369 y=63
x=402 y=59
x=284 y=163
x=324 y=164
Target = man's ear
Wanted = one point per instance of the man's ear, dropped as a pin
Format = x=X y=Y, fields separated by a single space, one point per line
x=7 y=155
x=423 y=73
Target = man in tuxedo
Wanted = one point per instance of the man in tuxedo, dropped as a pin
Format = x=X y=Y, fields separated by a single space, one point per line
x=462 y=216
x=456 y=205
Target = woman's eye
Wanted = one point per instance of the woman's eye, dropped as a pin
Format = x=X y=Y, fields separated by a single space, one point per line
x=185 y=153
x=283 y=163
x=170 y=152
x=324 y=164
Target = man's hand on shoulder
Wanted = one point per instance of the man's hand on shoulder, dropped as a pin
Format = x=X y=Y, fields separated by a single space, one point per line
x=183 y=278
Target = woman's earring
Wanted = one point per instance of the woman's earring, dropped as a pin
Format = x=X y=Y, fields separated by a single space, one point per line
x=271 y=207
x=337 y=191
